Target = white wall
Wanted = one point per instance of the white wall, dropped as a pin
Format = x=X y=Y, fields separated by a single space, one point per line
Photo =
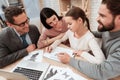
x=32 y=8
x=94 y=6
x=54 y=4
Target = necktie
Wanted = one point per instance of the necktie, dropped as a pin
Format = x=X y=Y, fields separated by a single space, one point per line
x=25 y=44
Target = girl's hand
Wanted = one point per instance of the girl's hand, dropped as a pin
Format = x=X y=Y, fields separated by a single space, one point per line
x=77 y=53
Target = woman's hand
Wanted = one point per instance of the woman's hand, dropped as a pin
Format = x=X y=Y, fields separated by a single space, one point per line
x=48 y=49
x=64 y=57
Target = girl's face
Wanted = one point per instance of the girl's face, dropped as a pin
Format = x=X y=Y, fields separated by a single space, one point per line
x=52 y=21
x=73 y=25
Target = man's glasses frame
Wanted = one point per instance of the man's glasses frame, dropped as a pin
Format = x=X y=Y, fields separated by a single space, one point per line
x=23 y=23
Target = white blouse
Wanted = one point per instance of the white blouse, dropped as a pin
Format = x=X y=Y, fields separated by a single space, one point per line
x=87 y=42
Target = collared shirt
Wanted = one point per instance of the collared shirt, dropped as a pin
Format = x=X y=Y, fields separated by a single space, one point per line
x=27 y=37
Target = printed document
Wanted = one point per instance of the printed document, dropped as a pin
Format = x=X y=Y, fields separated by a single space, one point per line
x=59 y=73
x=36 y=56
x=57 y=50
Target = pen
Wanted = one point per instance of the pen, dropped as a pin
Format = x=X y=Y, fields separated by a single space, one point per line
x=74 y=55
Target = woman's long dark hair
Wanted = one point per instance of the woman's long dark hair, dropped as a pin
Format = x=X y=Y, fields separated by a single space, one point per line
x=47 y=13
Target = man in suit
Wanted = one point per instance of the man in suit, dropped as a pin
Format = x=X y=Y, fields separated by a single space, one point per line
x=12 y=45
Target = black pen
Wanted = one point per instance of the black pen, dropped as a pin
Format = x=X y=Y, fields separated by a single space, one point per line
x=74 y=55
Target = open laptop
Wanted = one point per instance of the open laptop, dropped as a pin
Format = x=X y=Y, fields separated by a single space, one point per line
x=33 y=70
x=4 y=75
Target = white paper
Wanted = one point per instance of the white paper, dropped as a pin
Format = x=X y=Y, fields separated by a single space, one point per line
x=53 y=54
x=57 y=73
x=36 y=56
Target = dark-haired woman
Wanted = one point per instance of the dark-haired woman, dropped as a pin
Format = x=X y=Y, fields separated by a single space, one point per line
x=55 y=27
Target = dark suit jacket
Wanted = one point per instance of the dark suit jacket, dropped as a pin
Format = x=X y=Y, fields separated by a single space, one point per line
x=11 y=48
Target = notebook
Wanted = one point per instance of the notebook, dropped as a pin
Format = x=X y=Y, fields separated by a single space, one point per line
x=4 y=75
x=33 y=70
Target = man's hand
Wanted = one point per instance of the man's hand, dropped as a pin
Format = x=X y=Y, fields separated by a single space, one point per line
x=31 y=48
x=64 y=57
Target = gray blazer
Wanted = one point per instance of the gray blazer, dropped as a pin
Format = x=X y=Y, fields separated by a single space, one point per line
x=11 y=48
x=108 y=69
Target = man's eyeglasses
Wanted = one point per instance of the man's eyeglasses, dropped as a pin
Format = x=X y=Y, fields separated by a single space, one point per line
x=23 y=23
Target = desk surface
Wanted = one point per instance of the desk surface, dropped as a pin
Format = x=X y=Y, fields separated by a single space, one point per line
x=52 y=62
x=55 y=63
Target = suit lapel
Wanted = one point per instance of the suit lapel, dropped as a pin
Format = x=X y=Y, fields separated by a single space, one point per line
x=16 y=39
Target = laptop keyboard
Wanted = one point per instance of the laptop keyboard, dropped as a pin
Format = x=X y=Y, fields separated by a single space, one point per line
x=31 y=74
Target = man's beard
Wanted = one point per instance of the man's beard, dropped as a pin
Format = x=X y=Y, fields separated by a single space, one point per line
x=106 y=28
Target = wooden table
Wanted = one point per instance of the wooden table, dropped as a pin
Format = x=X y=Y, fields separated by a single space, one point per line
x=52 y=62
x=55 y=63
